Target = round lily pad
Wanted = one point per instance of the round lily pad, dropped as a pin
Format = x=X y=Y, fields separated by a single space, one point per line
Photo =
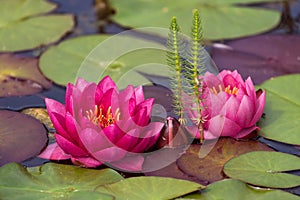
x=222 y=19
x=22 y=25
x=136 y=188
x=282 y=110
x=260 y=57
x=54 y=181
x=265 y=169
x=20 y=76
x=21 y=137
x=95 y=56
x=229 y=189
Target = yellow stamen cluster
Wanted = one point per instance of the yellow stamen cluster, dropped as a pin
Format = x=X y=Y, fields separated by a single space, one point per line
x=228 y=90
x=99 y=118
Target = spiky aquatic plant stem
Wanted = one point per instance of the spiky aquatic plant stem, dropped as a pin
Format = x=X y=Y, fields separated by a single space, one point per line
x=186 y=66
x=174 y=58
x=196 y=56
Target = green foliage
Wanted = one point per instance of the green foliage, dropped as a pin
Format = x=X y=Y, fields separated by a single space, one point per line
x=266 y=169
x=195 y=68
x=282 y=110
x=187 y=62
x=175 y=52
x=155 y=188
x=94 y=56
x=222 y=19
x=24 y=26
x=229 y=189
x=54 y=181
x=58 y=181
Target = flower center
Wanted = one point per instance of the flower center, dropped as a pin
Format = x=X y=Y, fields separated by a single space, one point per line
x=228 y=90
x=101 y=118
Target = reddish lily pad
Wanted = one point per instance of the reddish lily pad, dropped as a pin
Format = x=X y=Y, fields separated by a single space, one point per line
x=21 y=137
x=20 y=76
x=260 y=57
x=209 y=168
x=40 y=114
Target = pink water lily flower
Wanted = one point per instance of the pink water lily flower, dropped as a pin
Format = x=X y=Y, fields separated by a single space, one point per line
x=231 y=106
x=100 y=124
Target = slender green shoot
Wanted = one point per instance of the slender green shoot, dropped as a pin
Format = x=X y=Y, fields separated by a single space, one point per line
x=175 y=47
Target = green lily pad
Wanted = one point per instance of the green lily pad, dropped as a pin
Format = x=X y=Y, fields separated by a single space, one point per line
x=54 y=181
x=117 y=56
x=229 y=189
x=20 y=76
x=22 y=25
x=21 y=137
x=265 y=169
x=149 y=188
x=282 y=110
x=222 y=19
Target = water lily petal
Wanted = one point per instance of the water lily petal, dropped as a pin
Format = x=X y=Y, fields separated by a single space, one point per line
x=54 y=107
x=94 y=141
x=212 y=80
x=103 y=86
x=230 y=128
x=250 y=90
x=141 y=118
x=139 y=94
x=105 y=101
x=194 y=131
x=231 y=108
x=86 y=162
x=59 y=124
x=87 y=98
x=54 y=152
x=215 y=102
x=149 y=135
x=229 y=80
x=69 y=98
x=215 y=128
x=72 y=128
x=129 y=163
x=246 y=131
x=245 y=112
x=110 y=154
x=69 y=147
x=260 y=105
x=81 y=84
x=147 y=105
x=113 y=133
x=129 y=140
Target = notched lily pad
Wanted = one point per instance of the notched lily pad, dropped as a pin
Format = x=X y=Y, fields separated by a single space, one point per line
x=21 y=137
x=137 y=188
x=22 y=25
x=54 y=181
x=20 y=76
x=265 y=169
x=210 y=168
x=260 y=57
